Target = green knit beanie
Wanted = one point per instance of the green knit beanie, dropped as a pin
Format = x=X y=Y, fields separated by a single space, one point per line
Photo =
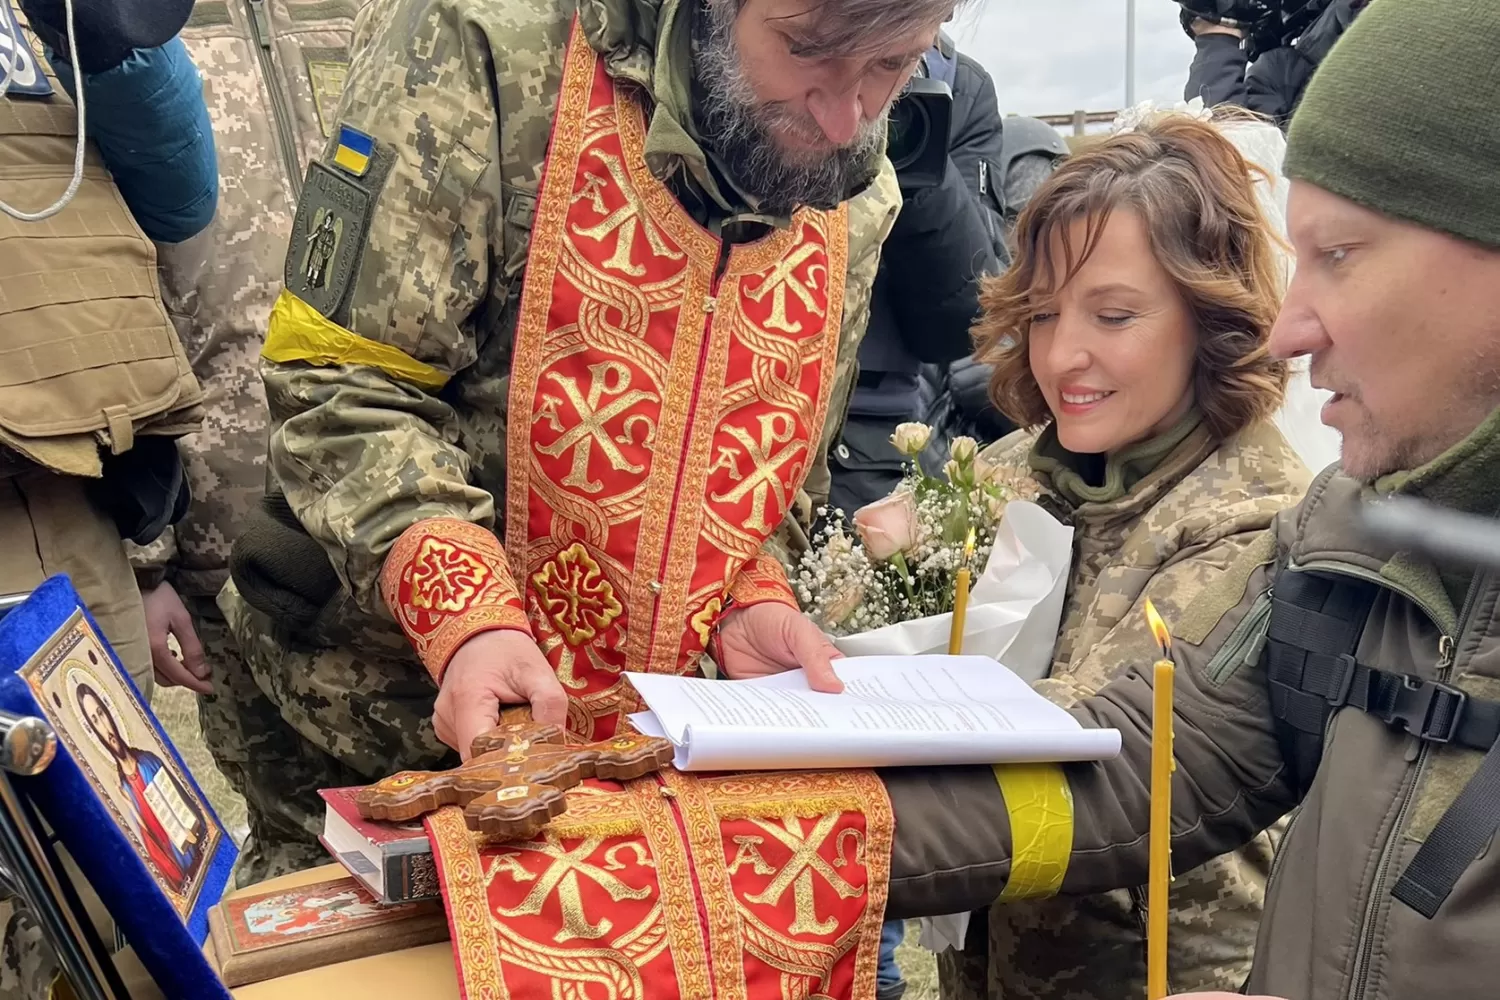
x=1404 y=116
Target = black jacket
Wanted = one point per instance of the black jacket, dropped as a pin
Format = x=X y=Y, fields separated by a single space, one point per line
x=1273 y=84
x=926 y=295
x=1221 y=74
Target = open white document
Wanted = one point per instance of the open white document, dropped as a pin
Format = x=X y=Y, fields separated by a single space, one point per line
x=895 y=711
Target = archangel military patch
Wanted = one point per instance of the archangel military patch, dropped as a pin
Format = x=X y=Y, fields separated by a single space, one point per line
x=328 y=238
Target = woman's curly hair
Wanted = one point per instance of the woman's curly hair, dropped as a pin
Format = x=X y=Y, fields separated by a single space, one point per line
x=1195 y=194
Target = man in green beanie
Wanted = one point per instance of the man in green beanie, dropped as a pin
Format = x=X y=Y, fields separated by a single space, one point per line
x=1325 y=672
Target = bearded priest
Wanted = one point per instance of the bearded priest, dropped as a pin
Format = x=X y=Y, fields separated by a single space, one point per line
x=570 y=314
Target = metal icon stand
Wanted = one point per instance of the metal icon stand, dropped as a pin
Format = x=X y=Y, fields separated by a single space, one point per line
x=31 y=871
x=34 y=875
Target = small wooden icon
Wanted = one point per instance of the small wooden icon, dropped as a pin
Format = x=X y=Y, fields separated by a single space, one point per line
x=513 y=785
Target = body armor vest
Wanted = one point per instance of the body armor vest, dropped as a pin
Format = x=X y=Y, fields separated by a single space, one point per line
x=88 y=355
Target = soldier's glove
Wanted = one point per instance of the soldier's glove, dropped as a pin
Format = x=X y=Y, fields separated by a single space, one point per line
x=280 y=569
x=107 y=30
x=144 y=490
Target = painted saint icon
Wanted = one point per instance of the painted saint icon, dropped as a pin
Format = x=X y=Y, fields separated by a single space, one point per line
x=166 y=822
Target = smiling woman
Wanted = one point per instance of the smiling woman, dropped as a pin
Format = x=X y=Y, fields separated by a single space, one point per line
x=1145 y=282
x=1131 y=337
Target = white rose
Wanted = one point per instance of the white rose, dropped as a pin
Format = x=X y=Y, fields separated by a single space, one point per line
x=963 y=449
x=911 y=438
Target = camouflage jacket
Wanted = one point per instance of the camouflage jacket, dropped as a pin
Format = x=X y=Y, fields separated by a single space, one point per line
x=1165 y=537
x=272 y=73
x=458 y=97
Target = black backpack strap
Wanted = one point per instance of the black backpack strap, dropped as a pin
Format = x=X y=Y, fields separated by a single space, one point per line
x=1316 y=622
x=1459 y=837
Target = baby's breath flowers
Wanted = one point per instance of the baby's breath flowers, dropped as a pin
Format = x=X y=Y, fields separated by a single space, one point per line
x=897 y=560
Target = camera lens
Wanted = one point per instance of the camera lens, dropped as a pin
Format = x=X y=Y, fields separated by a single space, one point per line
x=907 y=134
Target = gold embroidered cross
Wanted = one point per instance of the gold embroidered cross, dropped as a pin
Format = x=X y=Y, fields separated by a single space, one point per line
x=562 y=876
x=783 y=278
x=606 y=379
x=797 y=874
x=623 y=220
x=776 y=429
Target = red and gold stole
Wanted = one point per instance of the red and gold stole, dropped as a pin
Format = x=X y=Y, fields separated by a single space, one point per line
x=668 y=411
x=677 y=887
x=667 y=393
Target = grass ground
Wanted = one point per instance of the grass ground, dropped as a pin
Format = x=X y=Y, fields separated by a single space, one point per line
x=178 y=712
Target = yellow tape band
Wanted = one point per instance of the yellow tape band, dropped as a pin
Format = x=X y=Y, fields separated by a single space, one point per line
x=298 y=332
x=1040 y=805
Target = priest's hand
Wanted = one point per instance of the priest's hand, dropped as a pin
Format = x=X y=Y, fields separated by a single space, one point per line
x=770 y=638
x=503 y=667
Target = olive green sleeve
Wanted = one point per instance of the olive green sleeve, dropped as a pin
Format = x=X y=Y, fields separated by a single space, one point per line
x=953 y=847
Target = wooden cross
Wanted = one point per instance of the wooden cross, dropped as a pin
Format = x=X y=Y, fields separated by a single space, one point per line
x=513 y=784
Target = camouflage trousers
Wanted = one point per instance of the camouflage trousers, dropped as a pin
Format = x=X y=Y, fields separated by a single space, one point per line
x=283 y=723
x=29 y=968
x=1094 y=947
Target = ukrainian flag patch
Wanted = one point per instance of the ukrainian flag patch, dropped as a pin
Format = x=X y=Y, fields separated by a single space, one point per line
x=354 y=152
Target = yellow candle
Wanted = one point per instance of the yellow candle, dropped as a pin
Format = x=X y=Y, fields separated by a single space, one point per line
x=1162 y=766
x=960 y=600
x=960 y=606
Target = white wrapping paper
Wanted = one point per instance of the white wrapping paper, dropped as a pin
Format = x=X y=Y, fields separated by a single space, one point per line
x=1015 y=607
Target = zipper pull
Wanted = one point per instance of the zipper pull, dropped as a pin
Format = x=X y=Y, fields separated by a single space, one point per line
x=1445 y=654
x=262 y=22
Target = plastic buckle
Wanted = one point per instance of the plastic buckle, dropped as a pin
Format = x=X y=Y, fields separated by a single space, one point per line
x=1426 y=698
x=1339 y=696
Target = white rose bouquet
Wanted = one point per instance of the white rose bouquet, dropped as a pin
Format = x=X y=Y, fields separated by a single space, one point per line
x=900 y=560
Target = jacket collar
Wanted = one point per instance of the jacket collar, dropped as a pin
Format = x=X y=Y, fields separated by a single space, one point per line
x=1466 y=477
x=1133 y=479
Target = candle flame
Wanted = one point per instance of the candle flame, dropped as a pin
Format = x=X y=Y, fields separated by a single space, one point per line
x=1158 y=628
x=969 y=545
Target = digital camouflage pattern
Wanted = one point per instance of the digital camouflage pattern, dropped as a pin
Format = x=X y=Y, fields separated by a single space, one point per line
x=28 y=965
x=465 y=90
x=425 y=284
x=270 y=88
x=1170 y=536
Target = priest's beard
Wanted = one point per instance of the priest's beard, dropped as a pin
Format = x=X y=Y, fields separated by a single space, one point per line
x=744 y=132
